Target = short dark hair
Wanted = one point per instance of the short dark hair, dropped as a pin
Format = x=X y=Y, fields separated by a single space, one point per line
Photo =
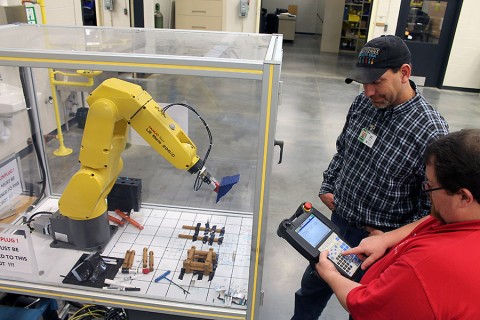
x=456 y=159
x=396 y=69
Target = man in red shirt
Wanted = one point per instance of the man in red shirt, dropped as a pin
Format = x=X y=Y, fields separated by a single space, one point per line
x=427 y=269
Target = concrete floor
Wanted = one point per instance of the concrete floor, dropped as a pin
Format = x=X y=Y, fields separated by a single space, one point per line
x=314 y=103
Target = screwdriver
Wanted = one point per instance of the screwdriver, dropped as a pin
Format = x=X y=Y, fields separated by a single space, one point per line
x=164 y=276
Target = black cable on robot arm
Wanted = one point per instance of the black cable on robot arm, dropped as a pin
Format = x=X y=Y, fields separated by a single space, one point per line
x=198 y=181
x=37 y=214
x=31 y=218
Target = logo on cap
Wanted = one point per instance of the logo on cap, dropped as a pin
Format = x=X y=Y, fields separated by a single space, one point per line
x=368 y=55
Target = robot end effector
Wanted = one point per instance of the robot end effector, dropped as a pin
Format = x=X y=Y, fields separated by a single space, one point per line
x=221 y=188
x=204 y=175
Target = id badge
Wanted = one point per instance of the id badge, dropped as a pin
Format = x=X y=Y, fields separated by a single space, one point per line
x=367 y=138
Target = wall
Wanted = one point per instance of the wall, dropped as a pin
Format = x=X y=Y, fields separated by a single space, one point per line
x=63 y=12
x=234 y=23
x=119 y=16
x=332 y=26
x=463 y=68
x=384 y=17
x=320 y=16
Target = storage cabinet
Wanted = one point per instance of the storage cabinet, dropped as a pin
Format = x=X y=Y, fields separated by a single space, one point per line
x=199 y=14
x=286 y=26
x=356 y=18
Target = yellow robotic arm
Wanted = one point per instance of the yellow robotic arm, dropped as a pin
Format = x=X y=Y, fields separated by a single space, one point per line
x=114 y=105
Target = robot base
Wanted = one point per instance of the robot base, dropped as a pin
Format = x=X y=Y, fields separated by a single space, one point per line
x=89 y=235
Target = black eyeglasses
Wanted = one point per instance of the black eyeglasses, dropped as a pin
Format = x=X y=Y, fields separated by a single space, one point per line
x=426 y=187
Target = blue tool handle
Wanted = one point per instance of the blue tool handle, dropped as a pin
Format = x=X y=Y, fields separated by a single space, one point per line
x=163 y=275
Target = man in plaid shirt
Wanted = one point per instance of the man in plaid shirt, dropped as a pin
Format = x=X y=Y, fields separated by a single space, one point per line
x=374 y=182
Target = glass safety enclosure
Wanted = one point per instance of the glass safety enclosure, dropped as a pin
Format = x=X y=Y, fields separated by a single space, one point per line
x=122 y=125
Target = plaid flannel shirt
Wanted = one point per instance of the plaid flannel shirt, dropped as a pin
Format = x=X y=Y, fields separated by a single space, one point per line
x=381 y=186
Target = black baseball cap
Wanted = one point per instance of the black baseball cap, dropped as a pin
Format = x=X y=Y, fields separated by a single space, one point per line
x=377 y=56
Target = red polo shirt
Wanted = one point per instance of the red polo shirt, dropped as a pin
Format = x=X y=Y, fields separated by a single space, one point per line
x=434 y=273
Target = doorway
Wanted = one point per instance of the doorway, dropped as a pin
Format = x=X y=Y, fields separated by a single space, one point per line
x=428 y=28
x=89 y=14
x=136 y=7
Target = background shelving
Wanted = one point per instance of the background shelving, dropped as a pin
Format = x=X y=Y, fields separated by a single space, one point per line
x=356 y=19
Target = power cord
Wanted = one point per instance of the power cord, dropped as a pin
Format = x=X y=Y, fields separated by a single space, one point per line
x=88 y=312
x=31 y=219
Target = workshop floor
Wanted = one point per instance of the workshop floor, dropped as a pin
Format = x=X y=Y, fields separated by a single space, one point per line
x=314 y=103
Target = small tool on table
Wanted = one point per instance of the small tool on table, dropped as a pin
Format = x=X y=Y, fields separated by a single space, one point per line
x=127 y=218
x=115 y=220
x=164 y=276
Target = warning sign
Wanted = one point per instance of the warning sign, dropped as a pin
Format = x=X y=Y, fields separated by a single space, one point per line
x=10 y=187
x=14 y=254
x=31 y=16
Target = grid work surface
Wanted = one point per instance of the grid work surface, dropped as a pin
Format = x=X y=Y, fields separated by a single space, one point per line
x=160 y=234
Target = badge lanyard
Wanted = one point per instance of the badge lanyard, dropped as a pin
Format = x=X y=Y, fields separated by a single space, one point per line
x=367 y=137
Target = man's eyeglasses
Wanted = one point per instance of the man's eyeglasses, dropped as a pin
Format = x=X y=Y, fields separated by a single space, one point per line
x=426 y=187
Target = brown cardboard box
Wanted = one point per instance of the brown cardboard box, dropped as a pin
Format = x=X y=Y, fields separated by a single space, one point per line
x=435 y=25
x=436 y=9
x=293 y=9
x=13 y=14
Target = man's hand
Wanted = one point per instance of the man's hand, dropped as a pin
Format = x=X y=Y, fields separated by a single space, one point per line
x=327 y=199
x=369 y=250
x=340 y=285
x=325 y=267
x=374 y=247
